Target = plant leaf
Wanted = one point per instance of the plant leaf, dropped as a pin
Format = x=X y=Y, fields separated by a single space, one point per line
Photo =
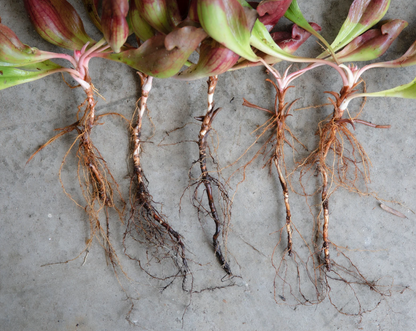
x=407 y=59
x=271 y=11
x=114 y=22
x=407 y=91
x=214 y=59
x=263 y=41
x=14 y=53
x=10 y=76
x=363 y=14
x=227 y=23
x=287 y=41
x=58 y=23
x=295 y=15
x=158 y=14
x=42 y=66
x=162 y=56
x=291 y=41
x=373 y=43
x=91 y=6
x=140 y=27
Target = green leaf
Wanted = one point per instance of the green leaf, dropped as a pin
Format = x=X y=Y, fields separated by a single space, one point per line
x=114 y=23
x=287 y=41
x=407 y=91
x=162 y=56
x=157 y=13
x=15 y=76
x=227 y=23
x=295 y=15
x=214 y=59
x=363 y=14
x=13 y=53
x=58 y=23
x=41 y=66
x=263 y=41
x=373 y=43
x=140 y=27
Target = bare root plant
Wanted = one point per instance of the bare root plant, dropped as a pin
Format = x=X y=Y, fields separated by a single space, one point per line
x=311 y=280
x=99 y=188
x=341 y=161
x=146 y=225
x=290 y=269
x=273 y=148
x=209 y=182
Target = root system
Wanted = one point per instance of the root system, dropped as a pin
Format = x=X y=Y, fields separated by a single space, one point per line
x=146 y=225
x=209 y=182
x=273 y=148
x=340 y=159
x=99 y=188
x=341 y=162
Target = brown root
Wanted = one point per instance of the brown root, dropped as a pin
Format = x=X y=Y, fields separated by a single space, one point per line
x=146 y=225
x=149 y=228
x=309 y=282
x=349 y=291
x=208 y=181
x=340 y=159
x=98 y=186
x=341 y=162
x=273 y=148
x=295 y=283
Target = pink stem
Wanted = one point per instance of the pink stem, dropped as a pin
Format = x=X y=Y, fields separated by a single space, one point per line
x=96 y=53
x=372 y=66
x=51 y=55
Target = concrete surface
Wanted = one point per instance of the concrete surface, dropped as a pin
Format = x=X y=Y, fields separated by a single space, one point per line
x=41 y=225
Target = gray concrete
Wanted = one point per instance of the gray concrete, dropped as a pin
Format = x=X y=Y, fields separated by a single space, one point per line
x=41 y=225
